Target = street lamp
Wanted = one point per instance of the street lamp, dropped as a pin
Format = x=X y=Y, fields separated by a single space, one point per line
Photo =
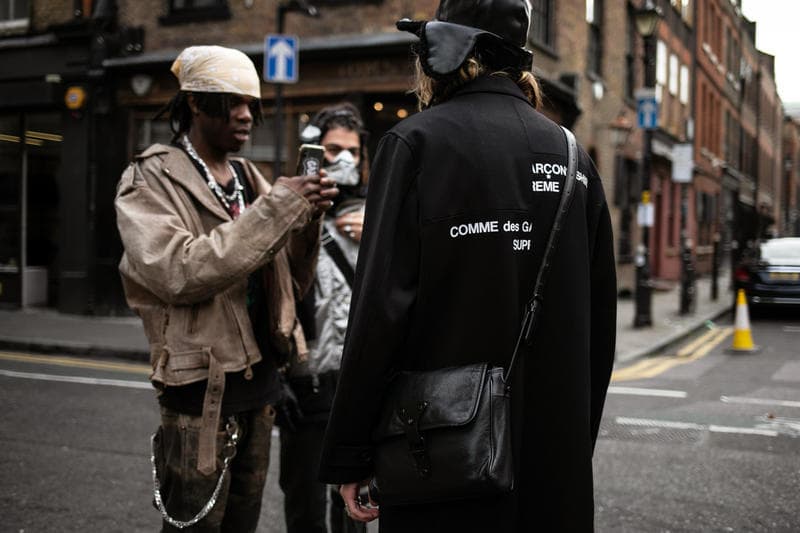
x=621 y=128
x=293 y=6
x=647 y=18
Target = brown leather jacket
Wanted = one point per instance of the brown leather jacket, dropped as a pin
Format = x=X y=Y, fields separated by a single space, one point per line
x=186 y=265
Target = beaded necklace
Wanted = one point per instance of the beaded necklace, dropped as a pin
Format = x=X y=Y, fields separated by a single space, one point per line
x=237 y=196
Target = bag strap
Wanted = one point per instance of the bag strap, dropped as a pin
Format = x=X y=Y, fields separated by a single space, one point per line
x=534 y=305
x=337 y=255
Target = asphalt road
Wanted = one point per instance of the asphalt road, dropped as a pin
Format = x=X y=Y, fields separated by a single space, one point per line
x=701 y=441
x=698 y=439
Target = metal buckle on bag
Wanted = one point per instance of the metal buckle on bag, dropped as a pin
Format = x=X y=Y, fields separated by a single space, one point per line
x=416 y=442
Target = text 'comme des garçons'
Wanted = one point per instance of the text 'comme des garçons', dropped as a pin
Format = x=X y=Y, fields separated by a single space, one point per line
x=494 y=226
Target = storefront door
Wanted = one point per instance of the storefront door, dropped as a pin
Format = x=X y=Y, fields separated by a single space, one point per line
x=30 y=156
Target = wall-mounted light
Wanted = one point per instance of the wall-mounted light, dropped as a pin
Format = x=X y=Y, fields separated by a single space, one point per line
x=402 y=113
x=647 y=18
x=75 y=97
x=141 y=84
x=621 y=129
x=598 y=90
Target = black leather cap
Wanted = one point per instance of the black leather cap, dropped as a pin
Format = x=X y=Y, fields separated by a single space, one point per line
x=498 y=28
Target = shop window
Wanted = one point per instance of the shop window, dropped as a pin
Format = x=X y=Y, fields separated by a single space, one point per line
x=149 y=131
x=542 y=23
x=14 y=16
x=180 y=11
x=259 y=148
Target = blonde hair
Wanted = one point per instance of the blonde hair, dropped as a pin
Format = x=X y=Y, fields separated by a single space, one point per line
x=430 y=91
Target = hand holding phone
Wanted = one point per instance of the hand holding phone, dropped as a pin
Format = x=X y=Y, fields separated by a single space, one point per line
x=310 y=181
x=309 y=159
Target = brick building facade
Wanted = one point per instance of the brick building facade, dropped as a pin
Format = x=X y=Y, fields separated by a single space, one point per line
x=86 y=78
x=790 y=210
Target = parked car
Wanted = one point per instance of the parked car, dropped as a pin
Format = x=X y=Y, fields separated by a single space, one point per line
x=771 y=276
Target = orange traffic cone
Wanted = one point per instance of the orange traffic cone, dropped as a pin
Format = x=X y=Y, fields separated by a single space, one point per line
x=742 y=338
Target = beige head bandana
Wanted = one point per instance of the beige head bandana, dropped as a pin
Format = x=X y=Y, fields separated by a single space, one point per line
x=215 y=69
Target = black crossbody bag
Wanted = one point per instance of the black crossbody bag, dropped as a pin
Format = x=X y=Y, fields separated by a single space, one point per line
x=446 y=434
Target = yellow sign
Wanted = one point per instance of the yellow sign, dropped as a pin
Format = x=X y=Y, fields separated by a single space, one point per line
x=75 y=97
x=645 y=197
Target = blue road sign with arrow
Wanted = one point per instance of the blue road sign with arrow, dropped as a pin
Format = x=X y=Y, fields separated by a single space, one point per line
x=646 y=109
x=280 y=59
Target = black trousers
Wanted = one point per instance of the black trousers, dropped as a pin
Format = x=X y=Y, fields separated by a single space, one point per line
x=306 y=498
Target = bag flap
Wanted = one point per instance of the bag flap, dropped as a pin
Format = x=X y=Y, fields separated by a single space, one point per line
x=452 y=396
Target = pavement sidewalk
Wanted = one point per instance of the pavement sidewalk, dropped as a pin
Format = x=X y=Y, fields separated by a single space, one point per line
x=46 y=331
x=669 y=326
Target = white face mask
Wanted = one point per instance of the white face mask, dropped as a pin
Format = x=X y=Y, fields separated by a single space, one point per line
x=343 y=170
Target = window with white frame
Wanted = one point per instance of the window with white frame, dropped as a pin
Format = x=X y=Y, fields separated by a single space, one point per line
x=673 y=74
x=685 y=81
x=661 y=63
x=594 y=16
x=14 y=15
x=684 y=7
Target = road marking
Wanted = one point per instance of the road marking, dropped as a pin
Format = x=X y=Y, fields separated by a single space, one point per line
x=635 y=369
x=77 y=379
x=668 y=424
x=759 y=401
x=689 y=348
x=655 y=366
x=791 y=329
x=635 y=391
x=76 y=362
x=743 y=431
x=790 y=426
x=646 y=422
x=724 y=333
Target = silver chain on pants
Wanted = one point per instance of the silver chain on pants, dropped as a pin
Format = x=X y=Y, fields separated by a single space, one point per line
x=228 y=452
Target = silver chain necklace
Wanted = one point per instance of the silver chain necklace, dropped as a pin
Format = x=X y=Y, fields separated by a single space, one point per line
x=227 y=199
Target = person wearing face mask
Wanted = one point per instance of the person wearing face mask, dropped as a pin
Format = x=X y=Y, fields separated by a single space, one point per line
x=309 y=385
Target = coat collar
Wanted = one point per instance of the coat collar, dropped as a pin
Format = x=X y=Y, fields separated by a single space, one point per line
x=492 y=84
x=179 y=168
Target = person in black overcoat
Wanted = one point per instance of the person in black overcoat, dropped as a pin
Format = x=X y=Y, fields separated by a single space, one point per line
x=461 y=202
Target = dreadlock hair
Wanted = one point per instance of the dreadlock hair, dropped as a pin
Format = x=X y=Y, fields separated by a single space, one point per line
x=212 y=104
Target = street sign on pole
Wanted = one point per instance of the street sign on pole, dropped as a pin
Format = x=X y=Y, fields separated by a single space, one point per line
x=646 y=109
x=646 y=213
x=682 y=163
x=281 y=59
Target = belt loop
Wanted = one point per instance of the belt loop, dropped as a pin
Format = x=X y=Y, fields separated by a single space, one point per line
x=212 y=407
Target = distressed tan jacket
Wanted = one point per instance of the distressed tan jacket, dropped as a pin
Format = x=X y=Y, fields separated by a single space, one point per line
x=186 y=265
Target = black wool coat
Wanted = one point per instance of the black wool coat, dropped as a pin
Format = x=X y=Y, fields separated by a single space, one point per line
x=461 y=202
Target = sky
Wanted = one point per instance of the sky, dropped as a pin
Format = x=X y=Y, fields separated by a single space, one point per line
x=777 y=34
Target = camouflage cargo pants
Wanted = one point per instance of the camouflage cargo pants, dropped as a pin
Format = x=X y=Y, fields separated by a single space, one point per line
x=184 y=490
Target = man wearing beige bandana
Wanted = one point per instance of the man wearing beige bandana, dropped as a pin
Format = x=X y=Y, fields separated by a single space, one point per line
x=214 y=260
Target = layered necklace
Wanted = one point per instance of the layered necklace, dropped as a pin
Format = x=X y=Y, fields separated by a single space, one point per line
x=236 y=198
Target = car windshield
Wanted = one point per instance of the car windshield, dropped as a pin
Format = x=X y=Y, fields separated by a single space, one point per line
x=781 y=249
